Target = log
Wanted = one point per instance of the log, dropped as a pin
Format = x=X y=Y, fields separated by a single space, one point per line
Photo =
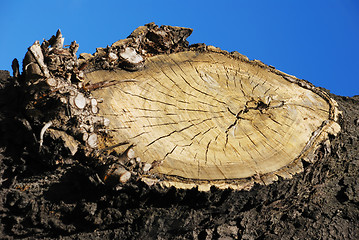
x=213 y=119
x=183 y=116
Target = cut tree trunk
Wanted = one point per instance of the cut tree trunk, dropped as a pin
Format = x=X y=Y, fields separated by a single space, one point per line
x=209 y=118
x=192 y=116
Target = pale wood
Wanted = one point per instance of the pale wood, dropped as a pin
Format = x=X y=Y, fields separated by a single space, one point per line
x=213 y=119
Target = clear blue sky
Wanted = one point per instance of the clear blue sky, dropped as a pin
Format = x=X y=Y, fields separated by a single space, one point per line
x=316 y=40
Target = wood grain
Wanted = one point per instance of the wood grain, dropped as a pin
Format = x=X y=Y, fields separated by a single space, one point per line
x=209 y=118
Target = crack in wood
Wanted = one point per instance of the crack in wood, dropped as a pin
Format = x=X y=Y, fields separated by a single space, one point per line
x=206 y=154
x=148 y=99
x=170 y=152
x=167 y=135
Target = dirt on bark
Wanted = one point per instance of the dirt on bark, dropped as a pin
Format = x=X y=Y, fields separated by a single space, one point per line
x=39 y=200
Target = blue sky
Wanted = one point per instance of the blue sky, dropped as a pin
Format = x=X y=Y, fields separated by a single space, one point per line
x=316 y=40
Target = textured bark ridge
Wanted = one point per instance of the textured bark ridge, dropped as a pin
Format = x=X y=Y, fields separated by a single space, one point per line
x=209 y=118
x=184 y=116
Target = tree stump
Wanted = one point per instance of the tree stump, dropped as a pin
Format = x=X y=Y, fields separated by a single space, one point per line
x=210 y=118
x=196 y=116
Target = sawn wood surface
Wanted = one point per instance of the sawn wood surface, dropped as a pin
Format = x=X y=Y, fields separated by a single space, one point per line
x=209 y=118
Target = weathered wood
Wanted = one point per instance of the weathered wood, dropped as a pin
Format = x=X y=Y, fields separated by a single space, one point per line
x=210 y=118
x=179 y=115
